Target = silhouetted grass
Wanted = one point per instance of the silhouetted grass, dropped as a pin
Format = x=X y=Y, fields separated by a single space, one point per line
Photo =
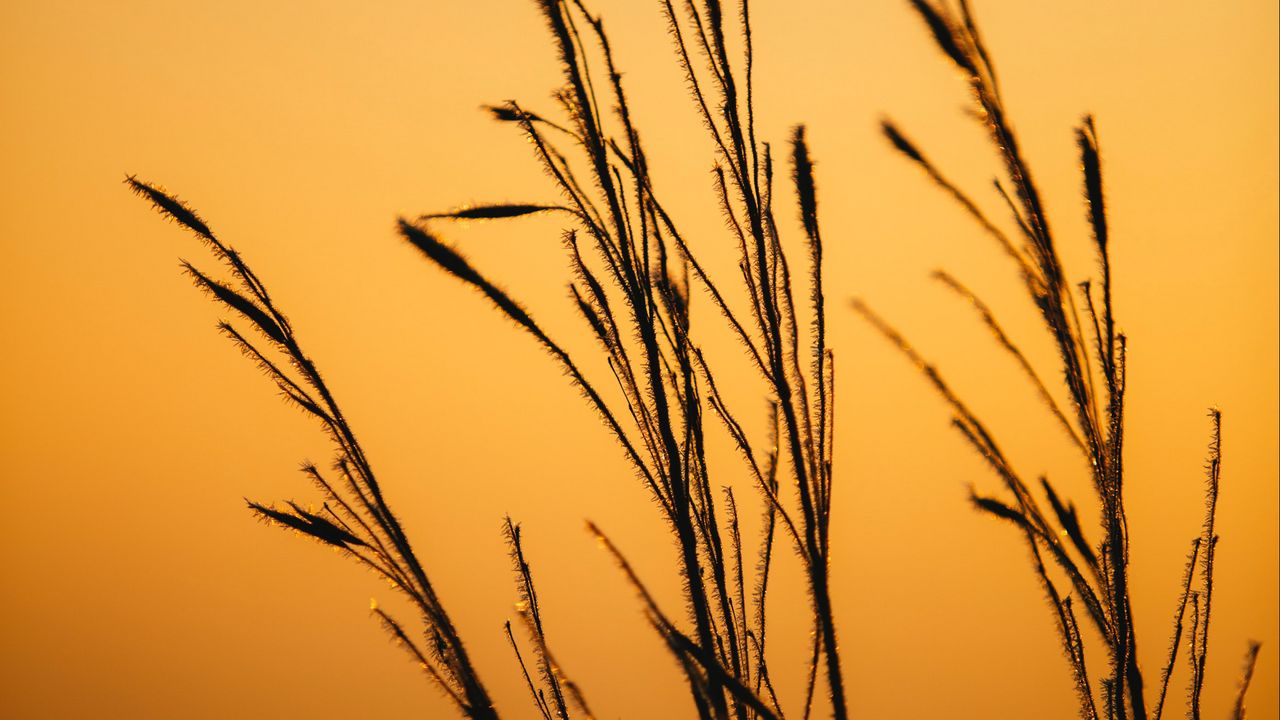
x=1091 y=352
x=636 y=276
x=353 y=517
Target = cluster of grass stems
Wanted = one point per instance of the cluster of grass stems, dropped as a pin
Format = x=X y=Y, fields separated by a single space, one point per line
x=635 y=277
x=1091 y=351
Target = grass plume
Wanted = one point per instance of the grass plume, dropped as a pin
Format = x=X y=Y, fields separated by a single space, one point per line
x=1091 y=355
x=637 y=275
x=355 y=518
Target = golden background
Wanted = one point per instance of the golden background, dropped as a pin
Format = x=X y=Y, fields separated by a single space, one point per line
x=136 y=584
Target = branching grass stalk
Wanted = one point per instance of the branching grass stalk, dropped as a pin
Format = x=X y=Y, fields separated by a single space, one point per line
x=354 y=517
x=635 y=277
x=1091 y=354
x=633 y=293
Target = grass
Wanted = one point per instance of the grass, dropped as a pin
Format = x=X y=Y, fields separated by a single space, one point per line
x=636 y=279
x=353 y=516
x=1092 y=363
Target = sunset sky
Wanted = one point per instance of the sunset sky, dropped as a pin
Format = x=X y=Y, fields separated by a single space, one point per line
x=135 y=584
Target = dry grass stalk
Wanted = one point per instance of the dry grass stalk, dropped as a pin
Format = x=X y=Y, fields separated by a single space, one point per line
x=1091 y=352
x=634 y=273
x=636 y=276
x=354 y=517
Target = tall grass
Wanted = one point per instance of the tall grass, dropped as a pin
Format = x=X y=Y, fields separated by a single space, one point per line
x=636 y=277
x=1092 y=579
x=353 y=517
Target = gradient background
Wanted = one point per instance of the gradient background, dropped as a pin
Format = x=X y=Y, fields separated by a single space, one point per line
x=134 y=582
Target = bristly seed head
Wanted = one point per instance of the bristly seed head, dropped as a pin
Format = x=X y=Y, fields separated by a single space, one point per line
x=170 y=206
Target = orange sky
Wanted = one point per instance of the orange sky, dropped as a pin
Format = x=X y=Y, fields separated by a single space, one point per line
x=135 y=584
